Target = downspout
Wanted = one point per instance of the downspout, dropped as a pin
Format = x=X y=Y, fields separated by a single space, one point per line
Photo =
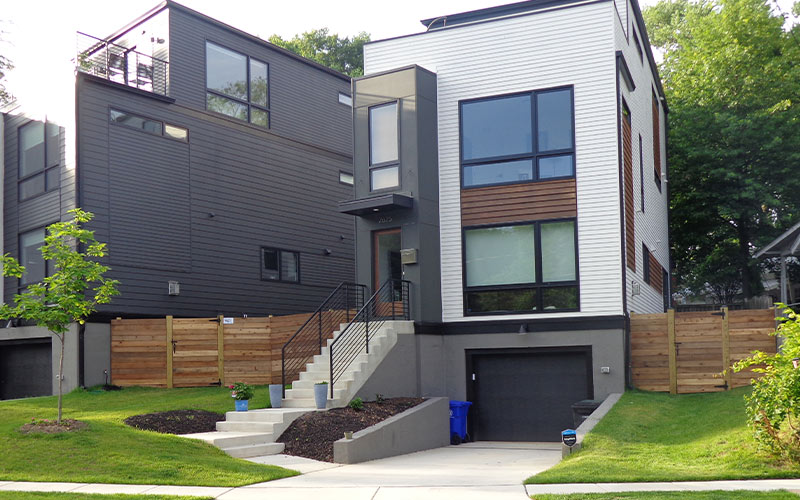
x=627 y=333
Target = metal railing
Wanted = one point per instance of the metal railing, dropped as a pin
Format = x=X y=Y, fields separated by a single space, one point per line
x=340 y=307
x=390 y=302
x=121 y=64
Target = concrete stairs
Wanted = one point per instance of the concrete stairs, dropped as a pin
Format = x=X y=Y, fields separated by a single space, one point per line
x=253 y=433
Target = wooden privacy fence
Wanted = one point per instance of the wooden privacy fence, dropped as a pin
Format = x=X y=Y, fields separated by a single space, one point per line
x=686 y=352
x=192 y=352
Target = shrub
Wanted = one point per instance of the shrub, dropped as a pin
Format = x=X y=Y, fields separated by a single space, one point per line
x=772 y=406
x=357 y=404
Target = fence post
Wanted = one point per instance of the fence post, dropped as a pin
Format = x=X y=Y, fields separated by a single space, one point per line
x=170 y=346
x=726 y=349
x=221 y=349
x=673 y=362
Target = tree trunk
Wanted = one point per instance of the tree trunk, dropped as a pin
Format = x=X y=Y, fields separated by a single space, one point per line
x=744 y=259
x=60 y=375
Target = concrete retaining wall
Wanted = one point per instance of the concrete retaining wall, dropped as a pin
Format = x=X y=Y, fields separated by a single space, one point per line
x=422 y=427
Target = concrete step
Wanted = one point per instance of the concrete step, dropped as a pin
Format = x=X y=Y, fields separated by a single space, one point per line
x=304 y=393
x=265 y=415
x=233 y=439
x=255 y=450
x=266 y=427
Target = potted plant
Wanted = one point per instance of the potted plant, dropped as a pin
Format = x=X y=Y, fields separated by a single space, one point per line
x=241 y=393
x=321 y=394
x=275 y=395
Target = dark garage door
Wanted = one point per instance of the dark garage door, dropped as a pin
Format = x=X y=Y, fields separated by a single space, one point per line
x=526 y=395
x=25 y=368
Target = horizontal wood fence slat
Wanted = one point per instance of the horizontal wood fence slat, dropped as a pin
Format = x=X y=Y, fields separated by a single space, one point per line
x=194 y=352
x=686 y=352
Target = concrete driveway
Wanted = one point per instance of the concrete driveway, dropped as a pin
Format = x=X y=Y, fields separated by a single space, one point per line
x=473 y=470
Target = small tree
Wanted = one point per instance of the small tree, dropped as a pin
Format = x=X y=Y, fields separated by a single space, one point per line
x=73 y=290
x=773 y=407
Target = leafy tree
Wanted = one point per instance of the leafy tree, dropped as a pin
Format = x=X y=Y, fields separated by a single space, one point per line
x=345 y=55
x=732 y=82
x=5 y=66
x=74 y=289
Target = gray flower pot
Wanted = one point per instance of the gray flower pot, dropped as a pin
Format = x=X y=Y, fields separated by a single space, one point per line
x=275 y=395
x=321 y=395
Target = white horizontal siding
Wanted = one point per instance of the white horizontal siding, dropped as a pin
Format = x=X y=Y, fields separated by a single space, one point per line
x=650 y=226
x=573 y=46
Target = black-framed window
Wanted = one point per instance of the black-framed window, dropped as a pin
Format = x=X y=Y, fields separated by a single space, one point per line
x=521 y=268
x=39 y=158
x=280 y=265
x=30 y=256
x=149 y=125
x=645 y=263
x=237 y=85
x=641 y=173
x=384 y=146
x=517 y=138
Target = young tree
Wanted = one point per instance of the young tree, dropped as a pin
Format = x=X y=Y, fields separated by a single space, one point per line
x=73 y=290
x=732 y=82
x=345 y=55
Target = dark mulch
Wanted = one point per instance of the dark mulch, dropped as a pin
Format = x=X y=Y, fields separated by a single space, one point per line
x=50 y=426
x=313 y=434
x=177 y=421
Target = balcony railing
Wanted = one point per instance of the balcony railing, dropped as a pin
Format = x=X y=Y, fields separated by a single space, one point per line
x=121 y=64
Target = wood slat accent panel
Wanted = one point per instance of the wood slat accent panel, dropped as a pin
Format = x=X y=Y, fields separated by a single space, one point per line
x=518 y=202
x=627 y=168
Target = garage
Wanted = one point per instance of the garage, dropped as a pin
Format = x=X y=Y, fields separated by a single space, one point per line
x=26 y=368
x=526 y=394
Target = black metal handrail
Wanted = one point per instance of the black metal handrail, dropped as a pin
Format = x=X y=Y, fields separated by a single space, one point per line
x=121 y=64
x=390 y=302
x=340 y=307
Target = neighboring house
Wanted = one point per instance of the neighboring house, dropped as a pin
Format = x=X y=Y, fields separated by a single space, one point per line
x=510 y=163
x=213 y=162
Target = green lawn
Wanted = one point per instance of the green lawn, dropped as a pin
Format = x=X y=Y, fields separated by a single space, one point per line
x=676 y=495
x=659 y=437
x=26 y=495
x=111 y=452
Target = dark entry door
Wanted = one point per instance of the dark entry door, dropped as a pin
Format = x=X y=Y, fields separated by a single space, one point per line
x=527 y=395
x=386 y=256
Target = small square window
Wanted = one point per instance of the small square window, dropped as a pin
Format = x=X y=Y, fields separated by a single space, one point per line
x=280 y=265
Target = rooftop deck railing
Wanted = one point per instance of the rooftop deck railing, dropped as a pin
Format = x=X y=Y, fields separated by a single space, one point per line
x=121 y=64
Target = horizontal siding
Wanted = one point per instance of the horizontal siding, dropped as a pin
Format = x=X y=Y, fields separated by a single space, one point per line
x=650 y=226
x=573 y=46
x=518 y=202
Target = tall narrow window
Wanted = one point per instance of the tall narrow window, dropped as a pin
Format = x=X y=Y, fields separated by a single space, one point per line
x=39 y=158
x=641 y=174
x=30 y=256
x=383 y=147
x=645 y=264
x=656 y=141
x=237 y=85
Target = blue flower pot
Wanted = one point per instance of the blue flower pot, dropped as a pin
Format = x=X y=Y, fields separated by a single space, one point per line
x=241 y=404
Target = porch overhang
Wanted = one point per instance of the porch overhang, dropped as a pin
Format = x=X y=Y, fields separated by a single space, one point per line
x=785 y=245
x=376 y=204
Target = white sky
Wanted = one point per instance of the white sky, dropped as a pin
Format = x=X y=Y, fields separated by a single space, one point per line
x=39 y=35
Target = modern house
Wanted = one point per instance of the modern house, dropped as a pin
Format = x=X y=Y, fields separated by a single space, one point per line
x=510 y=164
x=213 y=162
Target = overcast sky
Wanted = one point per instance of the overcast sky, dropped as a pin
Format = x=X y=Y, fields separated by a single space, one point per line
x=39 y=35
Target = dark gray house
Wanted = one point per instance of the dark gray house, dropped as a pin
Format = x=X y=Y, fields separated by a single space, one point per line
x=213 y=162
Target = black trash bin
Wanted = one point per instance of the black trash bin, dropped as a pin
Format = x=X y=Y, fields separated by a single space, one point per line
x=582 y=409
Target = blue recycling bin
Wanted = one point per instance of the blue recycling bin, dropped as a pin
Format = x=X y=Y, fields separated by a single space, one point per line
x=458 y=421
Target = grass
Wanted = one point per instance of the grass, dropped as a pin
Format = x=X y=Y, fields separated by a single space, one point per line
x=38 y=495
x=111 y=452
x=676 y=495
x=660 y=437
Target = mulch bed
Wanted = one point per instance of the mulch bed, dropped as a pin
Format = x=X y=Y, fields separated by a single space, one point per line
x=50 y=426
x=313 y=434
x=177 y=421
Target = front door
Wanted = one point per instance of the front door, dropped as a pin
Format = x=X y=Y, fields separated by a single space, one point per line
x=386 y=262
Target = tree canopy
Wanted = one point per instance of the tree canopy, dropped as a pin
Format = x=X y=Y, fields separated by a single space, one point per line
x=344 y=54
x=732 y=82
x=5 y=66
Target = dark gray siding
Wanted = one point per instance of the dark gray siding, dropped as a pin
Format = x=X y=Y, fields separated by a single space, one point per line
x=38 y=211
x=198 y=213
x=304 y=101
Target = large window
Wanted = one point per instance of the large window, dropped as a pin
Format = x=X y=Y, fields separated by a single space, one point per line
x=523 y=268
x=518 y=138
x=237 y=85
x=39 y=158
x=148 y=125
x=384 y=155
x=280 y=265
x=30 y=256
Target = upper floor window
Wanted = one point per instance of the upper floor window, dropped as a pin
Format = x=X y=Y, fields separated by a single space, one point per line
x=383 y=147
x=237 y=85
x=39 y=158
x=148 y=125
x=280 y=265
x=656 y=141
x=518 y=138
x=30 y=256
